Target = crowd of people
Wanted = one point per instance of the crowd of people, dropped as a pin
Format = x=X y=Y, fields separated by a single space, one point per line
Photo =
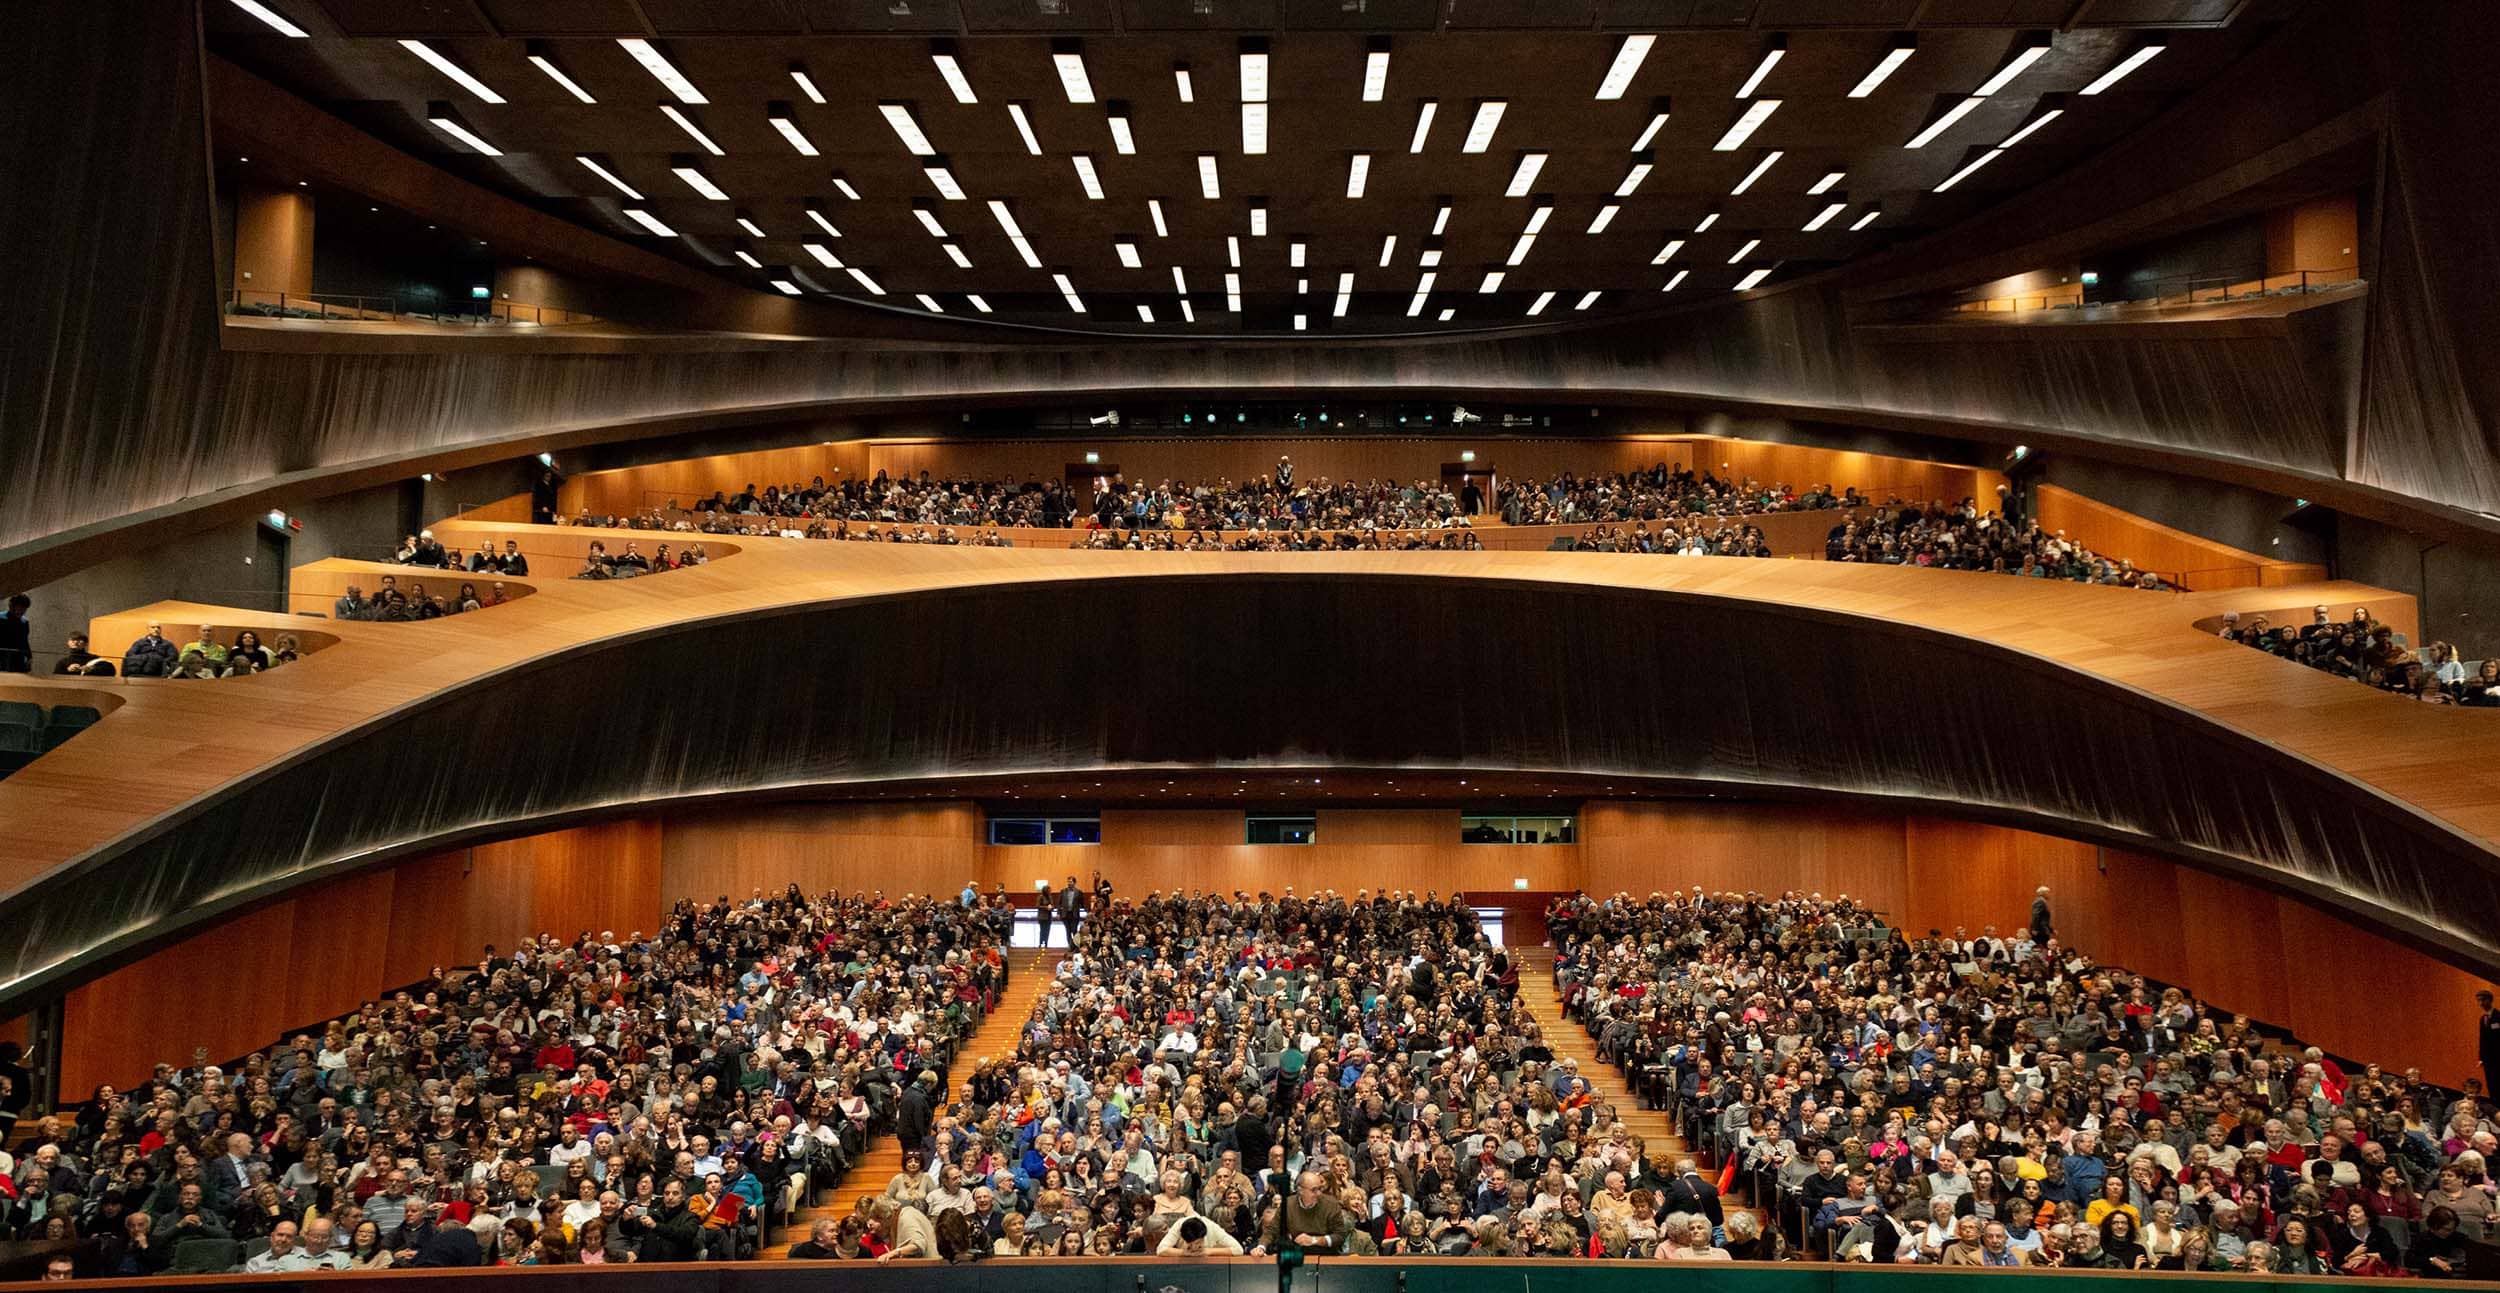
x=593 y=1099
x=631 y=563
x=1958 y=536
x=154 y=655
x=1662 y=493
x=389 y=603
x=2000 y=1100
x=2366 y=649
x=1690 y=539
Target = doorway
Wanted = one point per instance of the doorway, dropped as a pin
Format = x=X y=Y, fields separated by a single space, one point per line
x=269 y=569
x=1459 y=477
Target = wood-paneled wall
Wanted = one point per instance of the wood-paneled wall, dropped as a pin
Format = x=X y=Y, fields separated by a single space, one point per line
x=633 y=489
x=302 y=960
x=248 y=981
x=2196 y=562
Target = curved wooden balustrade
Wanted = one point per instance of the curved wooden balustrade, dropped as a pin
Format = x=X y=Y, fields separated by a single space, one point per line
x=2095 y=712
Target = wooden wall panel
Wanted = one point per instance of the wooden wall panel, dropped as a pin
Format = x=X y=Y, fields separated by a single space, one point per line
x=896 y=848
x=1146 y=851
x=1645 y=848
x=212 y=996
x=340 y=938
x=2178 y=555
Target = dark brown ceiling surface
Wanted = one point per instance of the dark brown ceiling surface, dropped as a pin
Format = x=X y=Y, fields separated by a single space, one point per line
x=1545 y=59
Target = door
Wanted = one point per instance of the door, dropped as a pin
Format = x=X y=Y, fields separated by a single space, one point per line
x=1458 y=476
x=269 y=570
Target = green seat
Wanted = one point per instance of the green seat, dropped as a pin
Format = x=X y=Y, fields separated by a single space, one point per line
x=20 y=738
x=205 y=1257
x=73 y=716
x=20 y=713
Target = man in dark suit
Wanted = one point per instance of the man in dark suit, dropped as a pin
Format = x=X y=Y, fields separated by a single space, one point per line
x=1690 y=1191
x=912 y=1119
x=230 y=1174
x=1071 y=908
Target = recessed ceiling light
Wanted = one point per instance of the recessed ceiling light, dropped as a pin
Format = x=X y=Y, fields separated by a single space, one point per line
x=942 y=53
x=1492 y=282
x=1627 y=64
x=442 y=118
x=823 y=254
x=451 y=69
x=1232 y=250
x=1773 y=50
x=649 y=221
x=944 y=180
x=1480 y=131
x=1867 y=219
x=1345 y=294
x=1755 y=114
x=273 y=18
x=1069 y=58
x=2143 y=54
x=1441 y=220
x=1253 y=70
x=1208 y=187
x=844 y=185
x=1086 y=176
x=1154 y=208
x=1301 y=323
x=1232 y=293
x=1181 y=83
x=1446 y=316
x=1376 y=69
x=1708 y=218
x=665 y=72
x=1128 y=254
x=1945 y=122
x=807 y=83
x=1605 y=217
x=1423 y=124
x=693 y=131
x=861 y=276
x=785 y=287
x=1296 y=254
x=1123 y=136
x=1902 y=47
x=924 y=212
x=701 y=183
x=1145 y=314
x=786 y=121
x=929 y=303
x=1024 y=127
x=2025 y=54
x=1632 y=178
x=1180 y=281
x=1189 y=313
x=1677 y=281
x=1969 y=167
x=1357 y=173
x=1431 y=256
x=2047 y=115
x=1588 y=299
x=1388 y=249
x=956 y=254
x=1825 y=216
x=1753 y=280
x=1543 y=299
x=1258 y=217
x=1769 y=160
x=1744 y=251
x=1523 y=177
x=817 y=214
x=747 y=258
x=1423 y=289
x=906 y=127
x=977 y=303
x=1254 y=128
x=1658 y=115
x=592 y=163
x=541 y=58
x=1830 y=178
x=1519 y=249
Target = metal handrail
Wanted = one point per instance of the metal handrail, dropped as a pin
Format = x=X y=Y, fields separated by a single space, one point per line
x=384 y=309
x=2177 y=289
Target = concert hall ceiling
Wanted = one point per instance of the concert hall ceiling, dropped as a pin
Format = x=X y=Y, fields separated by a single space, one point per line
x=1203 y=168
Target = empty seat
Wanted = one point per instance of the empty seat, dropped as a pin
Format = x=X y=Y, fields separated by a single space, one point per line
x=20 y=738
x=21 y=713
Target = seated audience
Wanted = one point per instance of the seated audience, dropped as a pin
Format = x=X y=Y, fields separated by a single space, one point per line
x=77 y=659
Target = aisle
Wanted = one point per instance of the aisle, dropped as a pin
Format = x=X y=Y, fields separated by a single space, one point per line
x=1569 y=1040
x=883 y=1157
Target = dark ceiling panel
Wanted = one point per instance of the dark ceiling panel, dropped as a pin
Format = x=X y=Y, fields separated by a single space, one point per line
x=1674 y=15
x=611 y=18
x=2140 y=13
x=405 y=17
x=1198 y=15
x=1522 y=15
x=1363 y=15
x=836 y=16
x=1997 y=13
x=1836 y=13
x=721 y=17
x=1037 y=15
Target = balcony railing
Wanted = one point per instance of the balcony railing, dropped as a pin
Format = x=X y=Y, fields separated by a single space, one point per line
x=2174 y=291
x=253 y=302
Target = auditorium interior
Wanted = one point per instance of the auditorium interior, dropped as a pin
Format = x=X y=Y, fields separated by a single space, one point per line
x=1400 y=643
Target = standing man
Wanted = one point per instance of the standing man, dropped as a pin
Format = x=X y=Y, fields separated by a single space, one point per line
x=17 y=646
x=1284 y=473
x=2490 y=1043
x=1071 y=908
x=2040 y=926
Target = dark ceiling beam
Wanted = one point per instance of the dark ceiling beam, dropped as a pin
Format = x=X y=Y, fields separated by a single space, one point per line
x=642 y=19
x=2077 y=14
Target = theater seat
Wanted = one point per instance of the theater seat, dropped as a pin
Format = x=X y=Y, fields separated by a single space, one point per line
x=205 y=1257
x=66 y=721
